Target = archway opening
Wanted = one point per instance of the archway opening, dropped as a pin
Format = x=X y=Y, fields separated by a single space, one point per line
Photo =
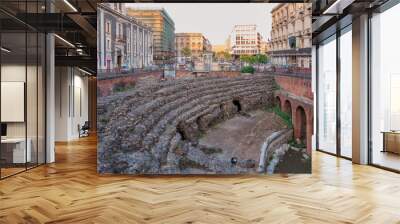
x=278 y=102
x=287 y=108
x=237 y=105
x=301 y=124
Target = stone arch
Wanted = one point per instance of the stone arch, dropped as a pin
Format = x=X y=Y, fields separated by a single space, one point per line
x=278 y=102
x=287 y=108
x=301 y=124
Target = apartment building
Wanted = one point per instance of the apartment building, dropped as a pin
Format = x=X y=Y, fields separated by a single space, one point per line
x=196 y=43
x=290 y=43
x=245 y=40
x=124 y=43
x=163 y=28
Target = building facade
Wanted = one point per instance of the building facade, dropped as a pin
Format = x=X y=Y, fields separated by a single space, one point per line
x=290 y=43
x=264 y=47
x=196 y=43
x=123 y=42
x=163 y=28
x=245 y=40
x=219 y=48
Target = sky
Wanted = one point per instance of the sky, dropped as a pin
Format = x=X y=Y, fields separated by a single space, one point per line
x=216 y=20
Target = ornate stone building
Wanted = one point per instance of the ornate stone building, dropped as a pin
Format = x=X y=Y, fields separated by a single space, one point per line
x=197 y=43
x=290 y=53
x=123 y=43
x=290 y=43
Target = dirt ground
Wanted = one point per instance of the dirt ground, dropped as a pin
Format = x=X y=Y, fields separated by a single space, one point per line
x=242 y=136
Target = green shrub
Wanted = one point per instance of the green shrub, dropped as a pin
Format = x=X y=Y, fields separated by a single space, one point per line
x=247 y=69
x=285 y=117
x=123 y=86
x=294 y=143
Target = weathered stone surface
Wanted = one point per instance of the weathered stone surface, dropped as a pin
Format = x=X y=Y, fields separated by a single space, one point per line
x=187 y=131
x=140 y=130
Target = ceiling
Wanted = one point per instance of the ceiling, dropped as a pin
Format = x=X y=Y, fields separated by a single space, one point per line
x=330 y=15
x=74 y=22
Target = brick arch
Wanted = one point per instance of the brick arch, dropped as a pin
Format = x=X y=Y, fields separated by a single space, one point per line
x=287 y=107
x=278 y=102
x=300 y=131
x=307 y=107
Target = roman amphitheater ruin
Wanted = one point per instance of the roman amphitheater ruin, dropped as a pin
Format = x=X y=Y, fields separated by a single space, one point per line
x=163 y=126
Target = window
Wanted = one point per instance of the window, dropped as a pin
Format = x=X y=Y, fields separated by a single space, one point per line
x=108 y=44
x=385 y=88
x=346 y=93
x=22 y=76
x=121 y=31
x=108 y=27
x=327 y=96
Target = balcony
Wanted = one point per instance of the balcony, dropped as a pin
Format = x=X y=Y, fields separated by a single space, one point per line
x=292 y=52
x=120 y=39
x=291 y=71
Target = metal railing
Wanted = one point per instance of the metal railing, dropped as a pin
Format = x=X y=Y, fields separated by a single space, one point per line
x=120 y=72
x=304 y=73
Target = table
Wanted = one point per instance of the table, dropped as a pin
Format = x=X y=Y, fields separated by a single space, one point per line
x=16 y=147
x=391 y=141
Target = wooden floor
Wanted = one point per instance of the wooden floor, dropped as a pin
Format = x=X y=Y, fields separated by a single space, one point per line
x=70 y=191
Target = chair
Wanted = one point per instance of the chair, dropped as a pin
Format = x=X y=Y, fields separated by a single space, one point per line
x=84 y=130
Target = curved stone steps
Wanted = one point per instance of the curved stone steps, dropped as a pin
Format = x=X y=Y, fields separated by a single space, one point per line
x=184 y=100
x=194 y=113
x=157 y=101
x=193 y=97
x=167 y=119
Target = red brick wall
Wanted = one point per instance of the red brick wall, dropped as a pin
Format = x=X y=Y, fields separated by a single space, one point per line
x=295 y=105
x=297 y=86
x=105 y=86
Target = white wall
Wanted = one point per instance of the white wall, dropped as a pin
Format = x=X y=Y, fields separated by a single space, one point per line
x=15 y=73
x=71 y=102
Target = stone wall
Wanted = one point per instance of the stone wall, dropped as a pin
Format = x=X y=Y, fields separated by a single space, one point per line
x=141 y=129
x=297 y=86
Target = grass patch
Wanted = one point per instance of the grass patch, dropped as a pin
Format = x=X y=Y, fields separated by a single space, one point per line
x=285 y=117
x=293 y=143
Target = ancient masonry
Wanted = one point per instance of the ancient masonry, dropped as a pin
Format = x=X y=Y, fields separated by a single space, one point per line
x=154 y=128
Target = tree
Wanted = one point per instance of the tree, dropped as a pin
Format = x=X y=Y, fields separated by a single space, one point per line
x=223 y=55
x=245 y=58
x=261 y=58
x=186 y=52
x=227 y=56
x=254 y=59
